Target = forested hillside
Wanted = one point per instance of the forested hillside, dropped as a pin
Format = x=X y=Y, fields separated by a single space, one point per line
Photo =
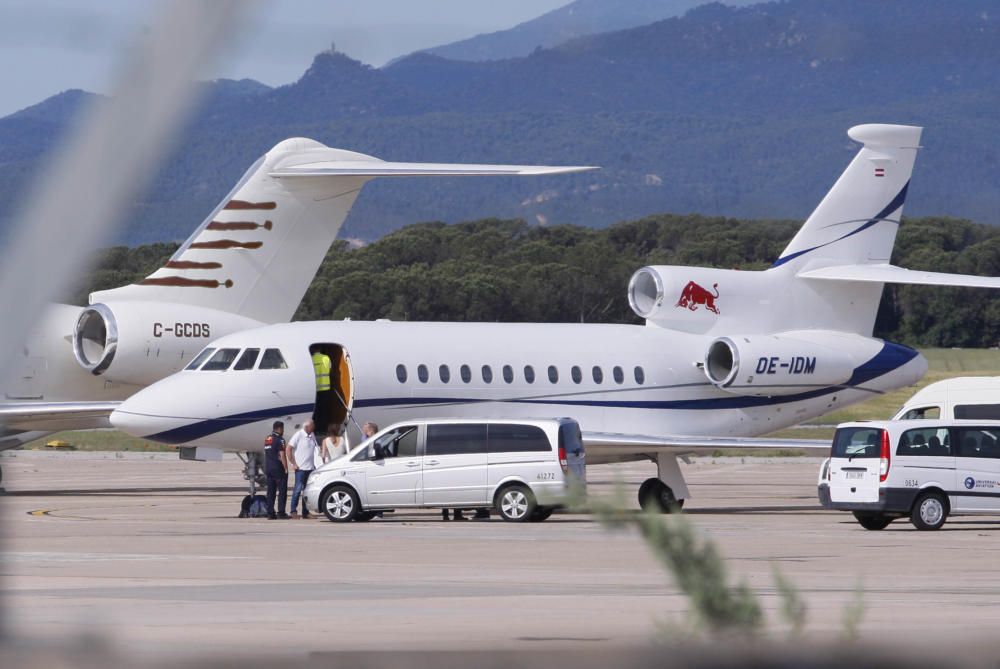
x=493 y=270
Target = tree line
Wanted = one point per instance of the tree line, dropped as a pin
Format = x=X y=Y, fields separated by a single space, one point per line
x=508 y=270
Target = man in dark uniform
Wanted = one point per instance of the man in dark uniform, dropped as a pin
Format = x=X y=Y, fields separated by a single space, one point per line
x=276 y=470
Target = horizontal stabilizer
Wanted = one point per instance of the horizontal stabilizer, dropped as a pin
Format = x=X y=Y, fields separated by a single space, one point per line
x=379 y=168
x=884 y=273
x=56 y=416
x=609 y=444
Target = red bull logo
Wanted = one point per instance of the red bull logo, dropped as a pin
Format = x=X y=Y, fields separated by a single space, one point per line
x=694 y=295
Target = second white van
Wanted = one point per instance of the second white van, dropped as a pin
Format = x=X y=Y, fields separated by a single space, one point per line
x=524 y=469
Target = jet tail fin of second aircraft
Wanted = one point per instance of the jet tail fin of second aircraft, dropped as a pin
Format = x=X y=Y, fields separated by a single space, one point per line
x=258 y=251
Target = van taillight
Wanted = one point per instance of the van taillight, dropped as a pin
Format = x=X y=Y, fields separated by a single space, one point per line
x=562 y=460
x=883 y=465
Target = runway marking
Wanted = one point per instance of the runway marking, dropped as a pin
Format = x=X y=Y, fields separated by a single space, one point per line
x=40 y=512
x=33 y=557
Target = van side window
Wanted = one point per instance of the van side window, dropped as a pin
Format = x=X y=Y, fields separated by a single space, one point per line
x=977 y=442
x=272 y=359
x=924 y=441
x=929 y=413
x=247 y=360
x=401 y=442
x=517 y=439
x=458 y=439
x=978 y=411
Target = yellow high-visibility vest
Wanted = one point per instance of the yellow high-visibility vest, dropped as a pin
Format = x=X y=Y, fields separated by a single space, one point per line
x=322 y=367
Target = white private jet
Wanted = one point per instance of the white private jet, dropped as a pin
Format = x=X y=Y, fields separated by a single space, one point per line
x=248 y=264
x=725 y=355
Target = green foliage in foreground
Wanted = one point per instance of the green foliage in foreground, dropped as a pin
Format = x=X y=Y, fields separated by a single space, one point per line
x=493 y=270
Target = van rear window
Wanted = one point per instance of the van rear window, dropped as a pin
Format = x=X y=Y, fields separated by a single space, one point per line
x=857 y=442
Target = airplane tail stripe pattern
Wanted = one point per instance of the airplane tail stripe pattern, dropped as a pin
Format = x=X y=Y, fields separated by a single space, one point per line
x=893 y=206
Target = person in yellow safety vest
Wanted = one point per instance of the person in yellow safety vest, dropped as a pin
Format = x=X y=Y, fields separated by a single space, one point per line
x=322 y=367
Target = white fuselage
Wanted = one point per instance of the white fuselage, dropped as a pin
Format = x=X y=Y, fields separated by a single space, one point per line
x=232 y=410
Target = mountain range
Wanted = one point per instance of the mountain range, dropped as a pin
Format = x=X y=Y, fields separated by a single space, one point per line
x=734 y=111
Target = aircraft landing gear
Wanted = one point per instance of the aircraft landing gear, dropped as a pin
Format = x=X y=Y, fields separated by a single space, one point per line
x=665 y=493
x=254 y=475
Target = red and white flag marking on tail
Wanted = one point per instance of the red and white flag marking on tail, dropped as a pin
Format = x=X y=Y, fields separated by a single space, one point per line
x=880 y=171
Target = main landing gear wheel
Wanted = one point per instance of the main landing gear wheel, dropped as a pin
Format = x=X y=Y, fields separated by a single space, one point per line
x=340 y=504
x=930 y=511
x=515 y=503
x=873 y=521
x=655 y=495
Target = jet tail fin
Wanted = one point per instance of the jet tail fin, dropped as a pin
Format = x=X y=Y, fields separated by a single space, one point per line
x=258 y=251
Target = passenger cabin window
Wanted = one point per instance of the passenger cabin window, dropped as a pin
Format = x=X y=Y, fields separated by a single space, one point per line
x=553 y=374
x=399 y=443
x=221 y=361
x=422 y=373
x=978 y=411
x=517 y=439
x=619 y=375
x=924 y=441
x=462 y=439
x=529 y=373
x=247 y=360
x=401 y=373
x=466 y=373
x=200 y=358
x=272 y=359
x=576 y=374
x=508 y=374
x=444 y=373
x=598 y=374
x=640 y=376
x=930 y=413
x=977 y=442
x=487 y=374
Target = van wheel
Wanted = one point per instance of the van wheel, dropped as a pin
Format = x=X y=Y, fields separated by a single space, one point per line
x=655 y=495
x=541 y=513
x=930 y=511
x=873 y=521
x=515 y=503
x=340 y=504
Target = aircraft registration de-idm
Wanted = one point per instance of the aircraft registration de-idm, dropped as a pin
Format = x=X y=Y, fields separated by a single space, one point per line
x=724 y=355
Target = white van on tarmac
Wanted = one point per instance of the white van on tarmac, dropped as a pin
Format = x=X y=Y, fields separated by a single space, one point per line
x=922 y=469
x=963 y=397
x=522 y=468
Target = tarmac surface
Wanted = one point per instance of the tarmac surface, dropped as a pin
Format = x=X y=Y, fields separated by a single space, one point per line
x=144 y=552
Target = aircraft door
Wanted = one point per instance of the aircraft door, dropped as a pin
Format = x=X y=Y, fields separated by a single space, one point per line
x=334 y=388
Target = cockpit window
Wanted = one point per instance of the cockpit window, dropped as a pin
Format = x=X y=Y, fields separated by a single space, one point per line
x=200 y=358
x=272 y=359
x=222 y=359
x=247 y=360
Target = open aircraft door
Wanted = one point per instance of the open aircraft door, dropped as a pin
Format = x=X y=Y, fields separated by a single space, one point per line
x=333 y=407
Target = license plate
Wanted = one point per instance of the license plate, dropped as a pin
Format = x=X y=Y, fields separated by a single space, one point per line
x=854 y=475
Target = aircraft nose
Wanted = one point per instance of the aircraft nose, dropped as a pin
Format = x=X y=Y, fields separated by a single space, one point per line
x=143 y=416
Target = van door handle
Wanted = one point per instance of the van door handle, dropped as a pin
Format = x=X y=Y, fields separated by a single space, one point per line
x=431 y=462
x=412 y=464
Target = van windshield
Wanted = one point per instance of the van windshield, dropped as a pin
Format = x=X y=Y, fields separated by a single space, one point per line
x=857 y=442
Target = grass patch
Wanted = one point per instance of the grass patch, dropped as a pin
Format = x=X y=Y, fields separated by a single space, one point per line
x=100 y=440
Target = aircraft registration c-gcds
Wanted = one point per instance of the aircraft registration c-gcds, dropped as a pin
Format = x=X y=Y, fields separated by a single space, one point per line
x=248 y=264
x=724 y=356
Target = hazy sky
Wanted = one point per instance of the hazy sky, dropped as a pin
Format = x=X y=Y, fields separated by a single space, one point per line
x=47 y=46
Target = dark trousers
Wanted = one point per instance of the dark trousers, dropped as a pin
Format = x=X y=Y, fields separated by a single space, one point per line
x=277 y=483
x=321 y=414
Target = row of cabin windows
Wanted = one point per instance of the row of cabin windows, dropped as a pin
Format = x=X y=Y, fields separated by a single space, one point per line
x=507 y=373
x=245 y=359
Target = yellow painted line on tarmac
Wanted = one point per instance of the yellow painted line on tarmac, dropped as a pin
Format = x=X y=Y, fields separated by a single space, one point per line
x=40 y=512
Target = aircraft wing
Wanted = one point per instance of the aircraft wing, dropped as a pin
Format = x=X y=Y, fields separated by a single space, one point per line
x=884 y=273
x=380 y=168
x=610 y=447
x=56 y=416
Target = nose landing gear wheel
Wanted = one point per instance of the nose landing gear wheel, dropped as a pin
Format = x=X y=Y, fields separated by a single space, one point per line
x=655 y=495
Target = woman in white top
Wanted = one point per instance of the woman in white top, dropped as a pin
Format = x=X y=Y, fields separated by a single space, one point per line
x=334 y=446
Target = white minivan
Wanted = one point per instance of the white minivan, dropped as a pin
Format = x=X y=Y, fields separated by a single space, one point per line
x=922 y=469
x=961 y=397
x=522 y=468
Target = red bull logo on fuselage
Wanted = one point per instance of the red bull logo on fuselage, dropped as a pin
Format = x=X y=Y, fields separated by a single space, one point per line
x=694 y=295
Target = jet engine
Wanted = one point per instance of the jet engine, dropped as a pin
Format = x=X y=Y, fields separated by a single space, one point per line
x=142 y=342
x=783 y=364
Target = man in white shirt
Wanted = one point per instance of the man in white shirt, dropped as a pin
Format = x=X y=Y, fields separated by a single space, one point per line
x=301 y=453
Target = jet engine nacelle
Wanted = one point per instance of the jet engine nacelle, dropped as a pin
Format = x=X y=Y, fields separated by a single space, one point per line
x=783 y=364
x=695 y=299
x=142 y=342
